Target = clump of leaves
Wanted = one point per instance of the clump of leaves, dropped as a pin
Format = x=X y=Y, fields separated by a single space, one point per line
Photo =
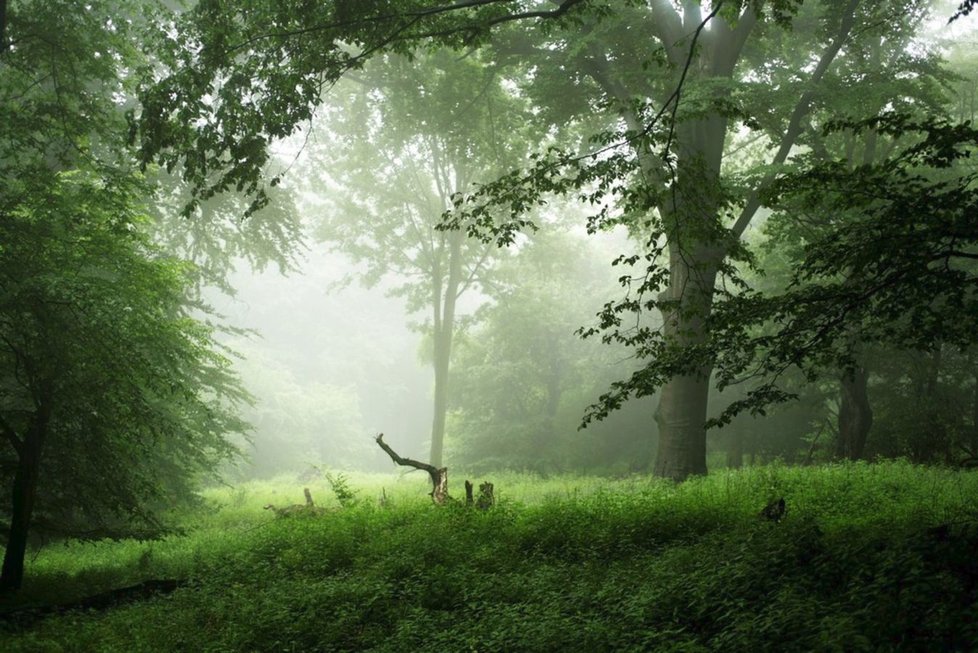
x=340 y=485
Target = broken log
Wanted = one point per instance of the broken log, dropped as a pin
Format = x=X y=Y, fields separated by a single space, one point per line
x=309 y=508
x=439 y=476
x=487 y=497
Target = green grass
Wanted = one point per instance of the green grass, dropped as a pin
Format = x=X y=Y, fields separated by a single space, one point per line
x=562 y=564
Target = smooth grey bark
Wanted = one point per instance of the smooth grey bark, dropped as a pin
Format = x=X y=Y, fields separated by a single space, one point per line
x=690 y=215
x=694 y=260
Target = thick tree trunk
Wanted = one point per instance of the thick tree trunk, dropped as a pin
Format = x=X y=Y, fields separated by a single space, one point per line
x=681 y=416
x=22 y=507
x=23 y=494
x=974 y=419
x=694 y=261
x=855 y=413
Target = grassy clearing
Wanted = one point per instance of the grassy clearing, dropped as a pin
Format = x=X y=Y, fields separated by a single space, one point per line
x=562 y=564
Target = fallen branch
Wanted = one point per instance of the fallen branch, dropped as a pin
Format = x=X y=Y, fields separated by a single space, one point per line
x=309 y=508
x=439 y=476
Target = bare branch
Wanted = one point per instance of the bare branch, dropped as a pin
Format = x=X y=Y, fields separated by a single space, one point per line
x=439 y=476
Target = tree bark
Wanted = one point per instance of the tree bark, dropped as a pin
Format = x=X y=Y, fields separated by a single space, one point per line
x=23 y=494
x=690 y=216
x=855 y=413
x=682 y=411
x=974 y=418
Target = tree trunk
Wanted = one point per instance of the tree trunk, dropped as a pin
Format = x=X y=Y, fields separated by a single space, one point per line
x=442 y=353
x=23 y=494
x=735 y=449
x=693 y=264
x=855 y=413
x=974 y=418
x=444 y=331
x=682 y=435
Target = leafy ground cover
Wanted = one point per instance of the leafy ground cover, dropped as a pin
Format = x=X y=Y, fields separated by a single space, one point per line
x=868 y=557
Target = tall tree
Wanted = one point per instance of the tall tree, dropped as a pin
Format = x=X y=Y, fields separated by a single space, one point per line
x=113 y=400
x=525 y=376
x=676 y=187
x=669 y=118
x=894 y=73
x=404 y=139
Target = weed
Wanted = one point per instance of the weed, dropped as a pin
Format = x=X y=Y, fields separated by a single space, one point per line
x=342 y=490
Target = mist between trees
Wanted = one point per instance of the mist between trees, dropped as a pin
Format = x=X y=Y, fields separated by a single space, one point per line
x=241 y=239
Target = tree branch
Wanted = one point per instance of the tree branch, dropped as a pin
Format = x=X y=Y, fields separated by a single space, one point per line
x=433 y=471
x=417 y=15
x=795 y=122
x=439 y=476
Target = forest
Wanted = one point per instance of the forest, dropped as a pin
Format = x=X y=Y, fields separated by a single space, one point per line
x=488 y=325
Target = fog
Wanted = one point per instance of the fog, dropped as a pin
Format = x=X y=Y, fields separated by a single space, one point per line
x=332 y=359
x=342 y=346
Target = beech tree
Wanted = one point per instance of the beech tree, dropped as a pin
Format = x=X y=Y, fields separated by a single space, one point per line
x=390 y=152
x=675 y=87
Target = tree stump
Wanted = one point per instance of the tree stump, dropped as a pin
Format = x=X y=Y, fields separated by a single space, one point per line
x=487 y=498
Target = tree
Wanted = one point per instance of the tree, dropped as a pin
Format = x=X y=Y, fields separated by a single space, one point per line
x=898 y=271
x=405 y=138
x=696 y=203
x=263 y=68
x=660 y=162
x=114 y=399
x=525 y=377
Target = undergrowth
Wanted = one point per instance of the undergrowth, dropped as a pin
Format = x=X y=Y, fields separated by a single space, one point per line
x=868 y=557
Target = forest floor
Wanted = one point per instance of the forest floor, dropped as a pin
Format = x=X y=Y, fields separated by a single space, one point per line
x=866 y=558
